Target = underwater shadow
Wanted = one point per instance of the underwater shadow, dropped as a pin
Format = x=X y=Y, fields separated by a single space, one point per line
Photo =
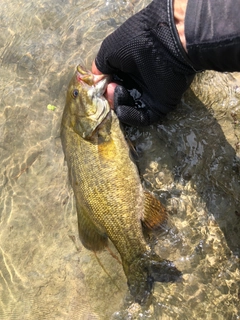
x=192 y=147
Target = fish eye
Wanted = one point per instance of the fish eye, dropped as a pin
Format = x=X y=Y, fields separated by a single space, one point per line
x=75 y=93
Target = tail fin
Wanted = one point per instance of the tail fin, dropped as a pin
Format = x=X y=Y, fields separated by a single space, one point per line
x=142 y=273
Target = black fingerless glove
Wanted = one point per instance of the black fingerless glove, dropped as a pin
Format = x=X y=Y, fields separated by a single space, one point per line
x=147 y=49
x=129 y=112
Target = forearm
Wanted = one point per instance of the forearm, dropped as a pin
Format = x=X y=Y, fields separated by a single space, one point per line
x=179 y=11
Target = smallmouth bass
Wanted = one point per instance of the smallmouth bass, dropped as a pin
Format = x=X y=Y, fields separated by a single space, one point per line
x=110 y=199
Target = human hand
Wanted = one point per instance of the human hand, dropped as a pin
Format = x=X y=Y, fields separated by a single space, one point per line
x=124 y=105
x=145 y=53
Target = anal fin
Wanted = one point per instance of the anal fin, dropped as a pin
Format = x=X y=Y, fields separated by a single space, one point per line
x=155 y=213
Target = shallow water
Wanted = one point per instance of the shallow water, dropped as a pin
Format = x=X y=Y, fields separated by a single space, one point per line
x=190 y=160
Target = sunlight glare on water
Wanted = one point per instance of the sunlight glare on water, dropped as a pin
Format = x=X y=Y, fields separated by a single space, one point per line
x=190 y=160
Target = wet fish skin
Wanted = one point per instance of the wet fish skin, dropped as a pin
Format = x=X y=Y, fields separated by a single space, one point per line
x=110 y=200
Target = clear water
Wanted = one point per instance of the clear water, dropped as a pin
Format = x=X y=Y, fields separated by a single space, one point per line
x=190 y=160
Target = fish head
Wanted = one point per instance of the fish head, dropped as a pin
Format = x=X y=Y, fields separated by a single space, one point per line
x=85 y=101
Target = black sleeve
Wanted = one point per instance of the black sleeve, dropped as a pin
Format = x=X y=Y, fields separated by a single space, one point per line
x=212 y=29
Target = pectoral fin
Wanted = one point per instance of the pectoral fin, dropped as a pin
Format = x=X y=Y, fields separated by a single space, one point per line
x=89 y=234
x=155 y=213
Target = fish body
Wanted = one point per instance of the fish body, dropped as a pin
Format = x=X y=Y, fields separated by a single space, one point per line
x=110 y=200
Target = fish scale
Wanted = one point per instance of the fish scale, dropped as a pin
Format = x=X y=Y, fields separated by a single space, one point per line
x=111 y=202
x=101 y=193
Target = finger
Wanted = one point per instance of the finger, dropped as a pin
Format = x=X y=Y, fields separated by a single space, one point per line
x=95 y=69
x=109 y=94
x=122 y=97
x=136 y=117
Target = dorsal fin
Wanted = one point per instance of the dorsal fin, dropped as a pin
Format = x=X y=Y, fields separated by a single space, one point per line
x=155 y=213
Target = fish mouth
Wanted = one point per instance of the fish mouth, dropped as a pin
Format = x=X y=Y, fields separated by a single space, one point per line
x=99 y=77
x=96 y=107
x=89 y=78
x=90 y=81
